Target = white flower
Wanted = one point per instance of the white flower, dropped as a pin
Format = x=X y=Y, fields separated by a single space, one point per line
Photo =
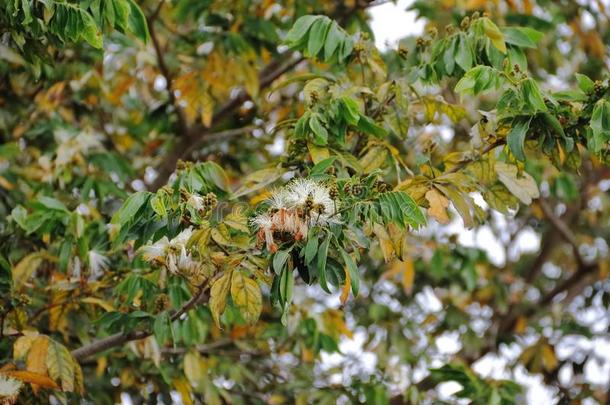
x=324 y=207
x=9 y=389
x=294 y=209
x=196 y=202
x=181 y=239
x=179 y=262
x=98 y=263
x=156 y=251
x=264 y=223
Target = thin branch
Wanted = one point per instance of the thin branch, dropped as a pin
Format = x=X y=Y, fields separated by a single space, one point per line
x=121 y=338
x=165 y=72
x=461 y=165
x=562 y=228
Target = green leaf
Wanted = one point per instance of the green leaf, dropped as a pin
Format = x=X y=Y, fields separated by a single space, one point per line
x=477 y=80
x=523 y=37
x=353 y=271
x=317 y=36
x=333 y=40
x=162 y=328
x=321 y=167
x=320 y=133
x=137 y=22
x=311 y=248
x=286 y=287
x=585 y=84
x=532 y=95
x=400 y=208
x=367 y=125
x=351 y=111
x=89 y=31
x=130 y=207
x=279 y=261
x=464 y=56
x=516 y=136
x=321 y=264
x=600 y=126
x=213 y=172
x=299 y=29
x=247 y=296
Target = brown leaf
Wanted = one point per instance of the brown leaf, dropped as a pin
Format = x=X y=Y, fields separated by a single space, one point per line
x=438 y=206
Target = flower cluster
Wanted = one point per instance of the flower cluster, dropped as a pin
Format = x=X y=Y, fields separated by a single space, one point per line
x=173 y=254
x=293 y=210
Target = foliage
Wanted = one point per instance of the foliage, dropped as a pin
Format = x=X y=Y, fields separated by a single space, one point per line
x=207 y=198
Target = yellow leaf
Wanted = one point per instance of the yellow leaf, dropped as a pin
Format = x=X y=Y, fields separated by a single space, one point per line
x=522 y=186
x=438 y=206
x=317 y=153
x=6 y=184
x=346 y=287
x=246 y=295
x=99 y=302
x=218 y=296
x=494 y=34
x=37 y=357
x=521 y=324
x=60 y=365
x=195 y=368
x=334 y=324
x=79 y=380
x=184 y=389
x=207 y=109
x=374 y=159
x=32 y=378
x=25 y=268
x=549 y=361
x=406 y=271
x=22 y=345
x=385 y=243
x=408 y=276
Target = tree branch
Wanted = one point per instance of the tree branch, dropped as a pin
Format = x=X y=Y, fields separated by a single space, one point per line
x=182 y=125
x=562 y=228
x=461 y=165
x=120 y=338
x=188 y=145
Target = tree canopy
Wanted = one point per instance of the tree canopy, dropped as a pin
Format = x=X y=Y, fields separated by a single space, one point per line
x=246 y=201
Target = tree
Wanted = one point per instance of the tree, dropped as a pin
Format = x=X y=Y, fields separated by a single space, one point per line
x=203 y=199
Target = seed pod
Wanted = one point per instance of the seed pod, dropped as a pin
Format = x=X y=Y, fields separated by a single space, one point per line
x=161 y=303
x=333 y=192
x=465 y=23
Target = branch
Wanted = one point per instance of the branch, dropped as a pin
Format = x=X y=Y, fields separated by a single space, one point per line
x=185 y=148
x=272 y=71
x=461 y=165
x=182 y=125
x=120 y=338
x=562 y=228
